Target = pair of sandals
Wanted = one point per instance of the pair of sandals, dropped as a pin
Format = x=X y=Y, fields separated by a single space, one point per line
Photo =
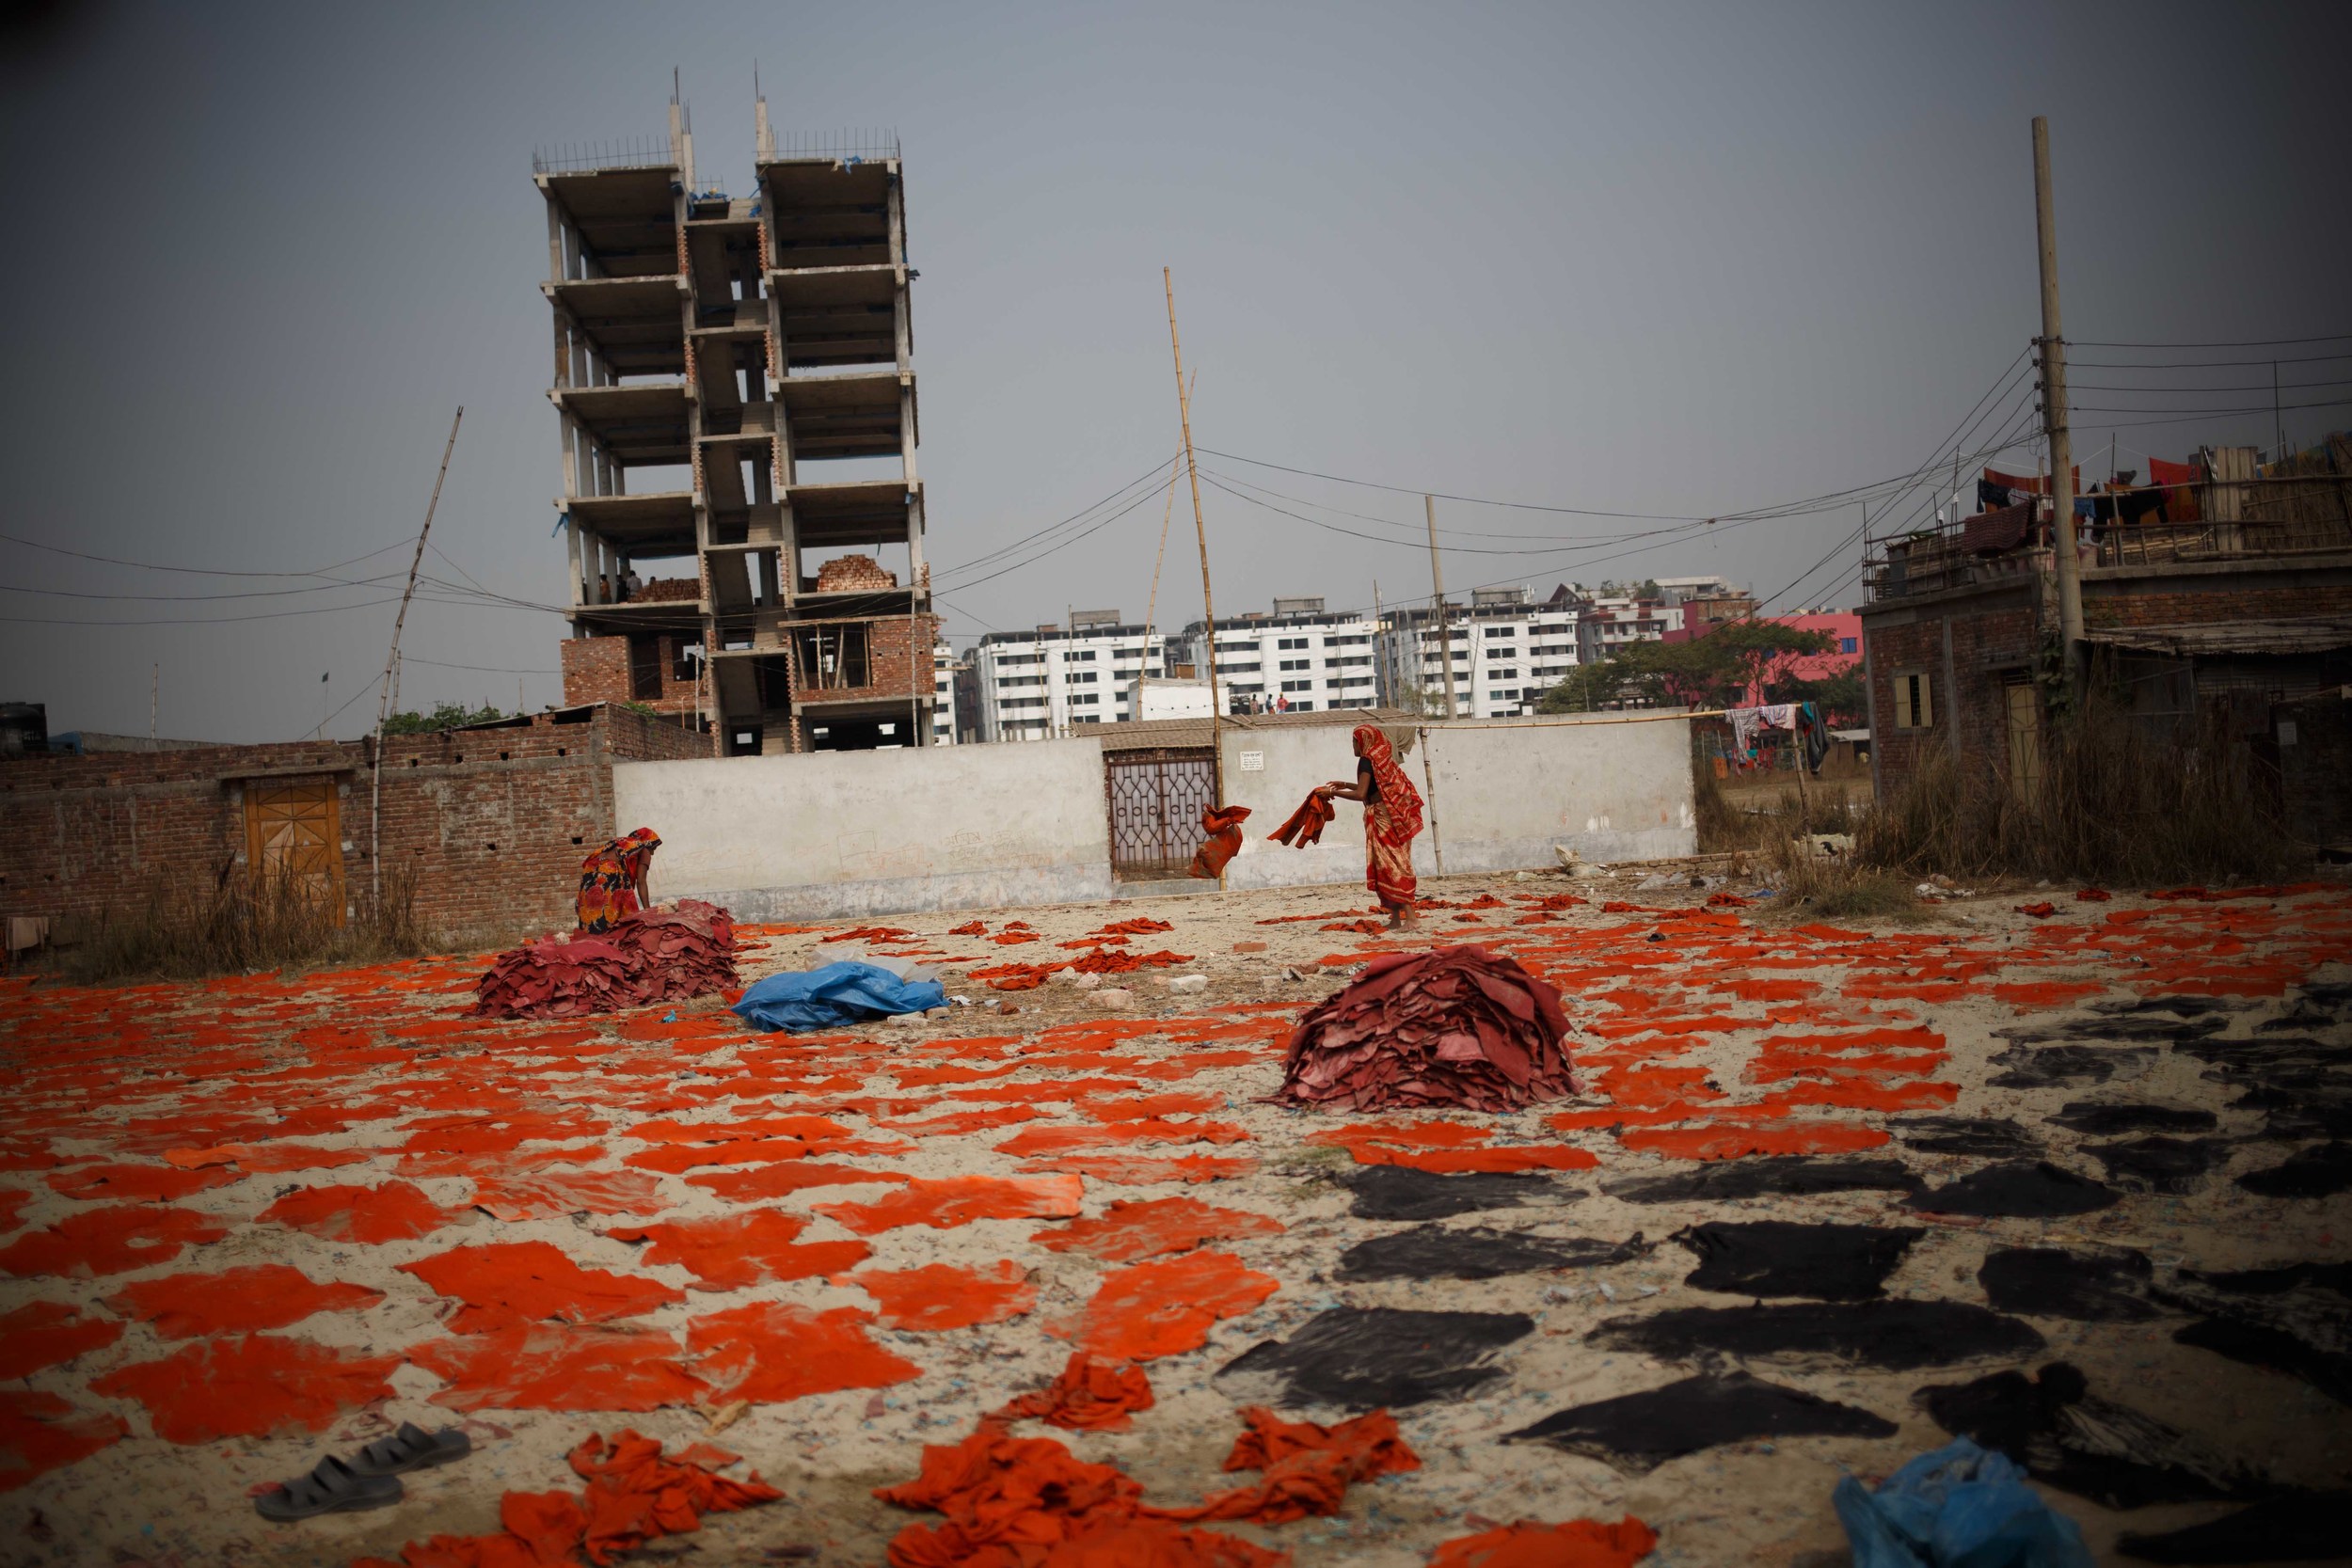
x=369 y=1478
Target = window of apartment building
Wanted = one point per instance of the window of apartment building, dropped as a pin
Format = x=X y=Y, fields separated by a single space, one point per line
x=1914 y=707
x=1289 y=642
x=1503 y=631
x=1850 y=644
x=1225 y=670
x=1086 y=699
x=832 y=658
x=1085 y=718
x=1078 y=656
x=1297 y=664
x=1298 y=686
x=1081 y=676
x=1302 y=708
x=644 y=667
x=1361 y=642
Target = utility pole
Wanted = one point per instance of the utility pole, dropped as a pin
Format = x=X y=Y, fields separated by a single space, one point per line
x=1200 y=529
x=154 y=700
x=391 y=663
x=1436 y=580
x=1152 y=605
x=2278 y=418
x=2054 y=417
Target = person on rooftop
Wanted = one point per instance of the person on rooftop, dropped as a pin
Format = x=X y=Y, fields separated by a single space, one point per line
x=1391 y=821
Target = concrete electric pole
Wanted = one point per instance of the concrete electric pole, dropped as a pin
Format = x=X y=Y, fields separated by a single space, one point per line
x=2053 y=418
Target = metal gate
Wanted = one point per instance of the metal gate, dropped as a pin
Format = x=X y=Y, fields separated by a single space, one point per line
x=1156 y=798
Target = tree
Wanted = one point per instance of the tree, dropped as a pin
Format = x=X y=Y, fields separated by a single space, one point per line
x=1840 y=697
x=446 y=716
x=1717 y=670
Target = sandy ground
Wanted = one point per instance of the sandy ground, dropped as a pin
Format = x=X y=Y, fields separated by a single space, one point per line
x=89 y=1074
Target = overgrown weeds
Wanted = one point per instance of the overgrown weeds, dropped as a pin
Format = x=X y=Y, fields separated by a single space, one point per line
x=2113 y=803
x=242 y=923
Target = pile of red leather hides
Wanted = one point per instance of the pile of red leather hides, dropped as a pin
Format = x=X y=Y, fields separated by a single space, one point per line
x=659 y=955
x=1457 y=1026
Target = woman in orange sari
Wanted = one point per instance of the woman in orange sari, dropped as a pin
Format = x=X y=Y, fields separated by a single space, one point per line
x=1391 y=820
x=612 y=882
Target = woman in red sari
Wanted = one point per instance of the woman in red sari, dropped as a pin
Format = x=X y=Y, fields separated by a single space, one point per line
x=612 y=882
x=1391 y=820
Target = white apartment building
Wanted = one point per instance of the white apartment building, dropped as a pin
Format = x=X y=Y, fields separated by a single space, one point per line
x=943 y=694
x=1607 y=624
x=1040 y=685
x=1677 y=589
x=1506 y=652
x=1302 y=658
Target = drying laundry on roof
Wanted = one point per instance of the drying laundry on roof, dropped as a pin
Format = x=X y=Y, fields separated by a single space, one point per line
x=838 y=995
x=1455 y=1026
x=647 y=955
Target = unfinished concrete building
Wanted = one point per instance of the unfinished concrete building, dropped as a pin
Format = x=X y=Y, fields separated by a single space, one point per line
x=735 y=389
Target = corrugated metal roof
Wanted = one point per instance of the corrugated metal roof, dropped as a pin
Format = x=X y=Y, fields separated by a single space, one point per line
x=2315 y=635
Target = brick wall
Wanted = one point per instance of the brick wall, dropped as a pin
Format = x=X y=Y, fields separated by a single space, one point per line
x=846 y=573
x=494 y=821
x=595 y=670
x=1968 y=695
x=2185 y=602
x=897 y=660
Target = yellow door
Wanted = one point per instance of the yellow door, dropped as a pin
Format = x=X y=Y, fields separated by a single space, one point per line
x=294 y=829
x=2025 y=739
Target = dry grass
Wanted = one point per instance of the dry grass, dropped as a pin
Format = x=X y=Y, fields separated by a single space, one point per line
x=242 y=924
x=2114 y=805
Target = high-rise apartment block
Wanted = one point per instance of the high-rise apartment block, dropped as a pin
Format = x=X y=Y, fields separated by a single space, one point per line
x=734 y=389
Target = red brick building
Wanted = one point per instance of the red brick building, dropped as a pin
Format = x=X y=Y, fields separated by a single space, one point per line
x=2240 y=609
x=493 y=820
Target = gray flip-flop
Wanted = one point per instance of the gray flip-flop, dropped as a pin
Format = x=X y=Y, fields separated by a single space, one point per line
x=334 y=1487
x=411 y=1447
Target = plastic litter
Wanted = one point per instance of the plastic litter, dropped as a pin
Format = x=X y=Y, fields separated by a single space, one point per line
x=1956 y=1506
x=833 y=995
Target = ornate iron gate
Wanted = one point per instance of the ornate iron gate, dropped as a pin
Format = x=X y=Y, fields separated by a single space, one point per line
x=1156 y=798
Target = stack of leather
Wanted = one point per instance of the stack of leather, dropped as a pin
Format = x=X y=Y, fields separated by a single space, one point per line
x=1457 y=1026
x=659 y=954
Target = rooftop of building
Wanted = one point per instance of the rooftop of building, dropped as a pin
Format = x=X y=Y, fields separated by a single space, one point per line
x=1149 y=733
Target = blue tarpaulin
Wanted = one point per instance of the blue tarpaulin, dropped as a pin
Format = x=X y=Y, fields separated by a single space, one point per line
x=1958 y=1506
x=834 y=995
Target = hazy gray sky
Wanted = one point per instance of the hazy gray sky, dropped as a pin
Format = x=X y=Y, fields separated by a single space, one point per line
x=1663 y=258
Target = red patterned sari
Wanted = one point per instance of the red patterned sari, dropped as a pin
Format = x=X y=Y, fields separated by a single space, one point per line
x=613 y=880
x=1391 y=821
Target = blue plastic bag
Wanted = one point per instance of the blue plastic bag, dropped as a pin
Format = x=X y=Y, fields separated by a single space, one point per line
x=1957 y=1507
x=834 y=995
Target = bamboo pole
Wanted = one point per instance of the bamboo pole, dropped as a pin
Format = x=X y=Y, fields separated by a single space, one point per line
x=391 y=664
x=1200 y=529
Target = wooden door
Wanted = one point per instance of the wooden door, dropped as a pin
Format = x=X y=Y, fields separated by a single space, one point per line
x=293 y=827
x=2025 y=739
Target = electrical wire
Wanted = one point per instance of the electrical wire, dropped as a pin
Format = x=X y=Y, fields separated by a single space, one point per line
x=195 y=598
x=202 y=571
x=2240 y=343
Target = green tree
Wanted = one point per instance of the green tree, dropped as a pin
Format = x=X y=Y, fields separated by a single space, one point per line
x=446 y=716
x=1840 y=697
x=1714 y=671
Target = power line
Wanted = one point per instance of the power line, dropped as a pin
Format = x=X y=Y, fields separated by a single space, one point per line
x=197 y=571
x=2239 y=342
x=194 y=621
x=193 y=598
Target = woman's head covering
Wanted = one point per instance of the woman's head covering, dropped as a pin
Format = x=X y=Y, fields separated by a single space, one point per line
x=1397 y=791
